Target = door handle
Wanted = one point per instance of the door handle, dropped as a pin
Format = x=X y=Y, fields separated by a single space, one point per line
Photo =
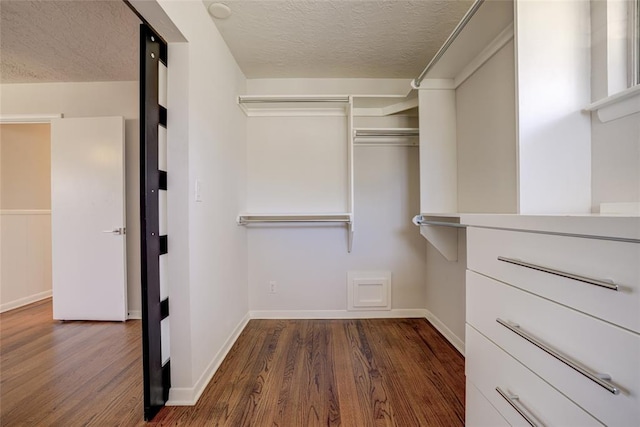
x=118 y=231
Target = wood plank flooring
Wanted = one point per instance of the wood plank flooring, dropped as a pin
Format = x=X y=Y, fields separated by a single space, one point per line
x=377 y=372
x=68 y=373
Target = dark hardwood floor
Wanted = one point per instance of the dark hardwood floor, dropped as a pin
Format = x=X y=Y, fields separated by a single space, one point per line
x=391 y=372
x=353 y=373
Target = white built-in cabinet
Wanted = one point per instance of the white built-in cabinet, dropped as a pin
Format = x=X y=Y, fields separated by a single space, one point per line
x=553 y=320
x=552 y=323
x=501 y=113
x=301 y=153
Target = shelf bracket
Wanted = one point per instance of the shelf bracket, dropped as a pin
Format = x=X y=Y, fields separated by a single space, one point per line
x=442 y=235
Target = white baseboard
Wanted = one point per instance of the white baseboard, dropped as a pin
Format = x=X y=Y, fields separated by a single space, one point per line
x=134 y=315
x=11 y=305
x=336 y=314
x=442 y=328
x=188 y=396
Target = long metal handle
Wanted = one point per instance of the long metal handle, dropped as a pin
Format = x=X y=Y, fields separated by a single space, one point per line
x=514 y=401
x=608 y=285
x=600 y=379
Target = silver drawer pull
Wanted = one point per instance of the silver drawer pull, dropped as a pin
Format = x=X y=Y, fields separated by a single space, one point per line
x=514 y=401
x=589 y=280
x=600 y=379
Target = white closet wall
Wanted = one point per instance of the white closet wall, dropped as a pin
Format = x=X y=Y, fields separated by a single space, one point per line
x=485 y=128
x=311 y=149
x=615 y=151
x=309 y=262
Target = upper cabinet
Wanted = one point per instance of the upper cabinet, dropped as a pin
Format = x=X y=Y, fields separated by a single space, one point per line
x=501 y=112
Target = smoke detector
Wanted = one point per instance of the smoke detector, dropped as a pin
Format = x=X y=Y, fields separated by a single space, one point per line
x=219 y=10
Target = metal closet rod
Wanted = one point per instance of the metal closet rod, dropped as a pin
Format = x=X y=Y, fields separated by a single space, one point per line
x=359 y=133
x=342 y=218
x=264 y=99
x=454 y=35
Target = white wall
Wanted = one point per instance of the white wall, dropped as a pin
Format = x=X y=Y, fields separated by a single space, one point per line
x=486 y=137
x=25 y=214
x=445 y=290
x=615 y=145
x=615 y=151
x=206 y=141
x=554 y=83
x=309 y=263
x=93 y=100
x=25 y=257
x=311 y=150
x=328 y=86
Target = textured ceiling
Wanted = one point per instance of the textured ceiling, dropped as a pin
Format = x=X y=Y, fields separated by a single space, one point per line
x=337 y=38
x=67 y=41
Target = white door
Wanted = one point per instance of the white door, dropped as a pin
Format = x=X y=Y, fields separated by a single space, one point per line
x=88 y=219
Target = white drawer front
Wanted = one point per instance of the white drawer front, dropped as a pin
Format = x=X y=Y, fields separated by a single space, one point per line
x=598 y=346
x=488 y=367
x=598 y=259
x=478 y=410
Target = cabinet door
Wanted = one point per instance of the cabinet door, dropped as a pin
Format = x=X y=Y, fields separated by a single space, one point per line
x=606 y=260
x=587 y=344
x=491 y=369
x=479 y=412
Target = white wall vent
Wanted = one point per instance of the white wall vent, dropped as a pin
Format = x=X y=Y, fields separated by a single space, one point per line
x=368 y=290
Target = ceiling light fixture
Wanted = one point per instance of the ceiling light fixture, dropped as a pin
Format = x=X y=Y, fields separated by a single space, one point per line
x=219 y=11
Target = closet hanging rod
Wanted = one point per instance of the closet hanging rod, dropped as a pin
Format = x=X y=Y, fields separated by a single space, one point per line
x=370 y=133
x=247 y=219
x=452 y=37
x=281 y=99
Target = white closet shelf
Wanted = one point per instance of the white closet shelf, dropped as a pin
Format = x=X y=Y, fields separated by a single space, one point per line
x=296 y=218
x=383 y=105
x=294 y=105
x=488 y=28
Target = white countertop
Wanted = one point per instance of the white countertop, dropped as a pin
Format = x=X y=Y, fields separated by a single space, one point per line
x=623 y=227
x=612 y=226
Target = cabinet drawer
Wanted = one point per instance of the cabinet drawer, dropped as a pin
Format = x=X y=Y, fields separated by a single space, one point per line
x=489 y=368
x=591 y=345
x=478 y=410
x=605 y=260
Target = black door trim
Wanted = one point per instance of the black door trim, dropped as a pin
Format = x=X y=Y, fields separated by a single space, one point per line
x=157 y=377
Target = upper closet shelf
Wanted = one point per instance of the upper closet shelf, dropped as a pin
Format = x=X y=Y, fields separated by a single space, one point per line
x=383 y=105
x=290 y=105
x=487 y=26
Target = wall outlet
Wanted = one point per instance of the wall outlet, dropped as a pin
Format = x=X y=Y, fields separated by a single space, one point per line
x=272 y=287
